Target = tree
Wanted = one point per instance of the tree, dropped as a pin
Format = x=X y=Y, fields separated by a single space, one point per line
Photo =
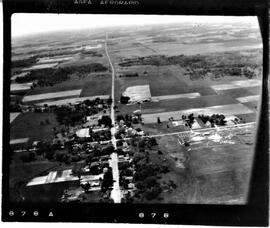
x=109 y=100
x=28 y=157
x=106 y=120
x=77 y=171
x=150 y=181
x=152 y=193
x=107 y=180
x=108 y=150
x=124 y=99
x=152 y=142
x=86 y=187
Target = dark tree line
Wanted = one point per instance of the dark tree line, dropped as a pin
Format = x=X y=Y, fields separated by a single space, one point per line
x=51 y=76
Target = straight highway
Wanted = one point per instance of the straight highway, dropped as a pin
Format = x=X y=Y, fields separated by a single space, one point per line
x=116 y=192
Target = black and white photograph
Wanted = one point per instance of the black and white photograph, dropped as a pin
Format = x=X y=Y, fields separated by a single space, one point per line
x=152 y=109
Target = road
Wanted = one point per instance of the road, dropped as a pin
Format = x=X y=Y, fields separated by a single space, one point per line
x=116 y=193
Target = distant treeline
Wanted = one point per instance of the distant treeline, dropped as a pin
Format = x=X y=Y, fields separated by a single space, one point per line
x=55 y=52
x=51 y=76
x=199 y=66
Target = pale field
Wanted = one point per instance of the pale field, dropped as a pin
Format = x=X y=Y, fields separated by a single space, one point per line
x=13 y=116
x=45 y=96
x=248 y=98
x=169 y=97
x=231 y=109
x=237 y=84
x=54 y=59
x=138 y=93
x=19 y=75
x=18 y=87
x=18 y=141
x=40 y=66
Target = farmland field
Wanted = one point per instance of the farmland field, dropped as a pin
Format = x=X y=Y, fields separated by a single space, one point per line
x=29 y=125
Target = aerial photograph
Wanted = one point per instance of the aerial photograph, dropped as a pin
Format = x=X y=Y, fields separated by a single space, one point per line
x=140 y=109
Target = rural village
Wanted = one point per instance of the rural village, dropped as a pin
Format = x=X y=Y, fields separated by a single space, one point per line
x=160 y=118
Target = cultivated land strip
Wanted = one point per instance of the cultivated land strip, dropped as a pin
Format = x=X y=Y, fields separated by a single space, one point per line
x=45 y=96
x=175 y=96
x=248 y=98
x=13 y=116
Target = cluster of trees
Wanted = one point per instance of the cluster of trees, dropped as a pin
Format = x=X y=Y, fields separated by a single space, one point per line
x=128 y=119
x=146 y=179
x=189 y=119
x=14 y=107
x=125 y=118
x=124 y=99
x=218 y=119
x=28 y=157
x=51 y=76
x=88 y=107
x=23 y=62
x=157 y=60
x=107 y=181
x=106 y=121
x=199 y=66
x=129 y=75
x=68 y=116
x=147 y=172
x=91 y=53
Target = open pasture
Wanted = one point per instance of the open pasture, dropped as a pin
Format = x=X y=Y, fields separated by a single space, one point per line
x=28 y=125
x=212 y=169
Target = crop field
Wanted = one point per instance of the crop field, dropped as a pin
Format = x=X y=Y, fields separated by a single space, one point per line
x=20 y=87
x=18 y=141
x=47 y=96
x=40 y=66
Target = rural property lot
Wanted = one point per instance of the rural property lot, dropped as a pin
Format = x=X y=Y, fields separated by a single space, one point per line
x=218 y=171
